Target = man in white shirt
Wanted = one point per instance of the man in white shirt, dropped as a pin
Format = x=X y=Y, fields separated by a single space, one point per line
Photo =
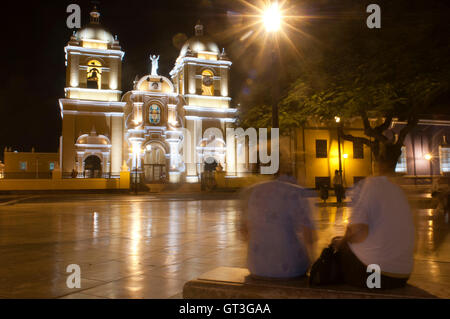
x=277 y=219
x=381 y=232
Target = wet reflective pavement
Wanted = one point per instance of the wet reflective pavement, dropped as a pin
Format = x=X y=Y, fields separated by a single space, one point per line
x=149 y=246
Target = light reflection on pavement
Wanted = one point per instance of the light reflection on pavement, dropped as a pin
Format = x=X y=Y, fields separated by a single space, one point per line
x=148 y=246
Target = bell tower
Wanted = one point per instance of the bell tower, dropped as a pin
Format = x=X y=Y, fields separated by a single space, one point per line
x=93 y=63
x=202 y=71
x=201 y=77
x=92 y=103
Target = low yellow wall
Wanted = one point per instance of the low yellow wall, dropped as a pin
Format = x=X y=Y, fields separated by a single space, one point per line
x=66 y=184
x=223 y=181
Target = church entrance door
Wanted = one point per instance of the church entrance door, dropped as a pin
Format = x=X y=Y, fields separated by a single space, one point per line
x=155 y=166
x=92 y=167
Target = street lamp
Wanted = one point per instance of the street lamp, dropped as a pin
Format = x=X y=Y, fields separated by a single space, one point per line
x=272 y=19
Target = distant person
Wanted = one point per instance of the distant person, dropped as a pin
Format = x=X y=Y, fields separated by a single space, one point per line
x=338 y=186
x=380 y=231
x=275 y=214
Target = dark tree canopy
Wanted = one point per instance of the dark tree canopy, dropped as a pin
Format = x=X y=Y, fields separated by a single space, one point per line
x=399 y=71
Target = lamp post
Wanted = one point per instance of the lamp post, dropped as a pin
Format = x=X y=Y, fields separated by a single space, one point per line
x=429 y=158
x=272 y=22
x=136 y=151
x=338 y=121
x=135 y=176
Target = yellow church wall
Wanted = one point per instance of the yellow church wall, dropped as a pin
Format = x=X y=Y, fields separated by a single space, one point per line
x=68 y=141
x=92 y=94
x=224 y=82
x=218 y=102
x=116 y=142
x=33 y=164
x=114 y=75
x=66 y=184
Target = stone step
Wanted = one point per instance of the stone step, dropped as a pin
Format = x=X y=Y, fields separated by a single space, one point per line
x=156 y=188
x=236 y=283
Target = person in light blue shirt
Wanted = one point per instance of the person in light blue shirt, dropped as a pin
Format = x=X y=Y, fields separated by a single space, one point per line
x=279 y=228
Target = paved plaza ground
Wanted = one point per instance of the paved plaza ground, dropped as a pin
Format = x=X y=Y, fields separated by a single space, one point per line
x=148 y=246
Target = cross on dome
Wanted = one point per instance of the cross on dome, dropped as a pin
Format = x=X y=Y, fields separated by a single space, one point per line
x=199 y=29
x=95 y=15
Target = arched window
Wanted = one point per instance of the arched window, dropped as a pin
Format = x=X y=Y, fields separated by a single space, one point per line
x=154 y=114
x=94 y=75
x=207 y=82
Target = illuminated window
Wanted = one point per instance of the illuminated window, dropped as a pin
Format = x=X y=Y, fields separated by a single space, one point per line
x=51 y=166
x=94 y=75
x=207 y=82
x=154 y=114
x=321 y=149
x=23 y=166
x=444 y=158
x=401 y=166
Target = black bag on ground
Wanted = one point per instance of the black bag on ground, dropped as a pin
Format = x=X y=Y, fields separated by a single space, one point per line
x=326 y=269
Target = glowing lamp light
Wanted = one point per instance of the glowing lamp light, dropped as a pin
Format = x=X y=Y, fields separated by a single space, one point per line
x=149 y=147
x=337 y=119
x=428 y=157
x=345 y=155
x=272 y=18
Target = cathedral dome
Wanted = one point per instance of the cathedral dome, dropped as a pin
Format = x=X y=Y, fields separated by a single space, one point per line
x=94 y=31
x=199 y=43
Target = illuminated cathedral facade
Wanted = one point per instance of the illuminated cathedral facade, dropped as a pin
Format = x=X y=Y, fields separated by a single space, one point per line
x=163 y=130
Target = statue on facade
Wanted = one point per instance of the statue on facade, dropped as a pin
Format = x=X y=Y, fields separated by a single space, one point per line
x=155 y=60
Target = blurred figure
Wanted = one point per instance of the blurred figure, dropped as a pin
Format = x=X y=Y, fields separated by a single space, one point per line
x=338 y=186
x=278 y=224
x=380 y=231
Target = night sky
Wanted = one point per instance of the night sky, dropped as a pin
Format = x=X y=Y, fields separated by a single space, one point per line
x=34 y=33
x=33 y=40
